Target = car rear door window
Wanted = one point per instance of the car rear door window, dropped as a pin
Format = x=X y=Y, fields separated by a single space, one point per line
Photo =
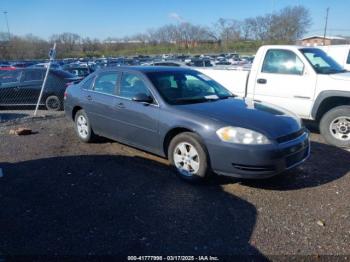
x=131 y=85
x=106 y=83
x=88 y=83
x=282 y=62
x=32 y=75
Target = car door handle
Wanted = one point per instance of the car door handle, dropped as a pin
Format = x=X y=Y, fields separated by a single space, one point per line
x=89 y=97
x=262 y=81
x=120 y=105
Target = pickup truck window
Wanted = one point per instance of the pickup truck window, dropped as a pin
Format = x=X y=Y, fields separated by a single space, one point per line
x=282 y=62
x=321 y=62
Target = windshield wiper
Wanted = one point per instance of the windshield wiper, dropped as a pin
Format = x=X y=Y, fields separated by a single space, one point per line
x=191 y=100
x=225 y=97
x=196 y=100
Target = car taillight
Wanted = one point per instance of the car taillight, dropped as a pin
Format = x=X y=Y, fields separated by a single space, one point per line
x=68 y=84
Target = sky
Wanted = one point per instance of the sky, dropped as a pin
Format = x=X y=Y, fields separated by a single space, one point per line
x=119 y=18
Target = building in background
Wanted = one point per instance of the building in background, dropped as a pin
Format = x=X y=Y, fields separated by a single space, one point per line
x=318 y=40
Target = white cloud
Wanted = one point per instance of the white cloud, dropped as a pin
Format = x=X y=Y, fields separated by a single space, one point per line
x=176 y=17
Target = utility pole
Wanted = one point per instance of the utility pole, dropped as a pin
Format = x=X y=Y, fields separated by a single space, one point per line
x=325 y=27
x=7 y=24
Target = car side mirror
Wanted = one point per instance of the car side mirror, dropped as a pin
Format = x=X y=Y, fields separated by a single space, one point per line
x=142 y=98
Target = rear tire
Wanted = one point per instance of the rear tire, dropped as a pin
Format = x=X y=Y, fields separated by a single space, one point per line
x=83 y=127
x=335 y=126
x=53 y=103
x=189 y=156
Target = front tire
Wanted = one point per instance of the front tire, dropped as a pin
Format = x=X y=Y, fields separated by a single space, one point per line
x=83 y=127
x=335 y=126
x=189 y=156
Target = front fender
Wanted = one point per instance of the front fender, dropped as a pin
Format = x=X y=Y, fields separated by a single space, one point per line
x=324 y=95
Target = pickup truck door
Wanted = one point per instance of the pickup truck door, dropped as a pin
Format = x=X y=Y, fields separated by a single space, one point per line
x=286 y=80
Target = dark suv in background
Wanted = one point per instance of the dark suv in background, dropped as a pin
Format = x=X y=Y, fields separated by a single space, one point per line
x=22 y=87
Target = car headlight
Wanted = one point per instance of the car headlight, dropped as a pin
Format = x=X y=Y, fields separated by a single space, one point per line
x=240 y=135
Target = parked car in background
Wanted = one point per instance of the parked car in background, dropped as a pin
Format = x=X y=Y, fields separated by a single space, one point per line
x=200 y=62
x=22 y=87
x=45 y=65
x=6 y=67
x=340 y=53
x=166 y=63
x=80 y=71
x=22 y=64
x=187 y=117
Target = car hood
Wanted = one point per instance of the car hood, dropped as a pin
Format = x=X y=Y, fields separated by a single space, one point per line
x=267 y=119
x=342 y=76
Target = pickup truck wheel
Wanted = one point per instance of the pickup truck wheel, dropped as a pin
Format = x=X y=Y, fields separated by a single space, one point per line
x=335 y=126
x=83 y=127
x=189 y=156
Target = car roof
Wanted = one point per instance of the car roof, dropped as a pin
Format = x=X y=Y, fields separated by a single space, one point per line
x=148 y=69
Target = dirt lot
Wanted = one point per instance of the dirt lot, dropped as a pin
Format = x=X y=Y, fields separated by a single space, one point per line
x=60 y=196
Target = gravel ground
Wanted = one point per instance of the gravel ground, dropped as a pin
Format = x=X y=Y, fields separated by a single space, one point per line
x=60 y=196
x=9 y=117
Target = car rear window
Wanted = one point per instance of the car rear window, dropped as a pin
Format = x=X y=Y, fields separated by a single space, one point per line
x=63 y=74
x=10 y=76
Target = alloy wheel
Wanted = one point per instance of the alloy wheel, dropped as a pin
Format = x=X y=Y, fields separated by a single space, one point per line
x=186 y=159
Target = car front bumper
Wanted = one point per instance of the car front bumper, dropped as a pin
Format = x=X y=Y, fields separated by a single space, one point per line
x=258 y=161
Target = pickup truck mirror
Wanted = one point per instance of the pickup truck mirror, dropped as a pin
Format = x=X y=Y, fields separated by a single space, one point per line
x=142 y=98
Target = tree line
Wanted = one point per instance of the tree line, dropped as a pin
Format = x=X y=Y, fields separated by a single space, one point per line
x=284 y=26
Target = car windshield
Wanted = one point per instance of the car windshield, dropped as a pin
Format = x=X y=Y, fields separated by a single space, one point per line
x=321 y=62
x=187 y=87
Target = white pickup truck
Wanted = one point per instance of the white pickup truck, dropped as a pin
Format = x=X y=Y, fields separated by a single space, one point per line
x=303 y=80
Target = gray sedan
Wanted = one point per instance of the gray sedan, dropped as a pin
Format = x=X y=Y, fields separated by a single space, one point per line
x=185 y=116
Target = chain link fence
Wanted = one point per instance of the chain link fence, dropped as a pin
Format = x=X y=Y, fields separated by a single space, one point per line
x=20 y=90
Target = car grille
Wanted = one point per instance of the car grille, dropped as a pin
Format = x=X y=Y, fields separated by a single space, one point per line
x=253 y=168
x=291 y=136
